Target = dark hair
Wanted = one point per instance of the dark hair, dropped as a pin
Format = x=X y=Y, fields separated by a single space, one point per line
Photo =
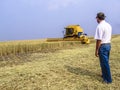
x=100 y=16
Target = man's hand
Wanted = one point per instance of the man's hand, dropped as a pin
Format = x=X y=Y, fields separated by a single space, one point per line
x=98 y=43
x=96 y=54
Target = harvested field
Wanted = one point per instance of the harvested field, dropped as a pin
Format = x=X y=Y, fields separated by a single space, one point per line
x=73 y=67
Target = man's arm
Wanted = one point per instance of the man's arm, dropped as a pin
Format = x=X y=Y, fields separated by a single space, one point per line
x=98 y=43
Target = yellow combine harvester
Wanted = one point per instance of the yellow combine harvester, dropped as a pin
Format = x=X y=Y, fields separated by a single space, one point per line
x=73 y=33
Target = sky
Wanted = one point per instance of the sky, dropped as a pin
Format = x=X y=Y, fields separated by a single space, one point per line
x=36 y=19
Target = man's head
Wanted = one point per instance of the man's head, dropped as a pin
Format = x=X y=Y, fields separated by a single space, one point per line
x=100 y=16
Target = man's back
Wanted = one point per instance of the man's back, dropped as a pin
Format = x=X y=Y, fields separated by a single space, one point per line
x=103 y=32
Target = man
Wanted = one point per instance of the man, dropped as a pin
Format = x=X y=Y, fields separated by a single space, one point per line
x=103 y=46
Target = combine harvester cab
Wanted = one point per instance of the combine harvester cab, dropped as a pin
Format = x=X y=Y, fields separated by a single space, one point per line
x=73 y=31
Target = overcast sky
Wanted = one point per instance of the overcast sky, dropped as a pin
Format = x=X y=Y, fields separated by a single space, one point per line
x=35 y=19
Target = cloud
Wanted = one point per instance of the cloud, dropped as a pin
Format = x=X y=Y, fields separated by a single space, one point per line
x=57 y=4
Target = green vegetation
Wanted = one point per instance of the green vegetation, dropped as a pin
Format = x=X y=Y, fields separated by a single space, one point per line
x=70 y=67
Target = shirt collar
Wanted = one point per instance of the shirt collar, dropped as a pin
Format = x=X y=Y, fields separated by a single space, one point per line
x=102 y=21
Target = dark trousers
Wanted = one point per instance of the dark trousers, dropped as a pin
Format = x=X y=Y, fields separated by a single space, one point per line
x=104 y=53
